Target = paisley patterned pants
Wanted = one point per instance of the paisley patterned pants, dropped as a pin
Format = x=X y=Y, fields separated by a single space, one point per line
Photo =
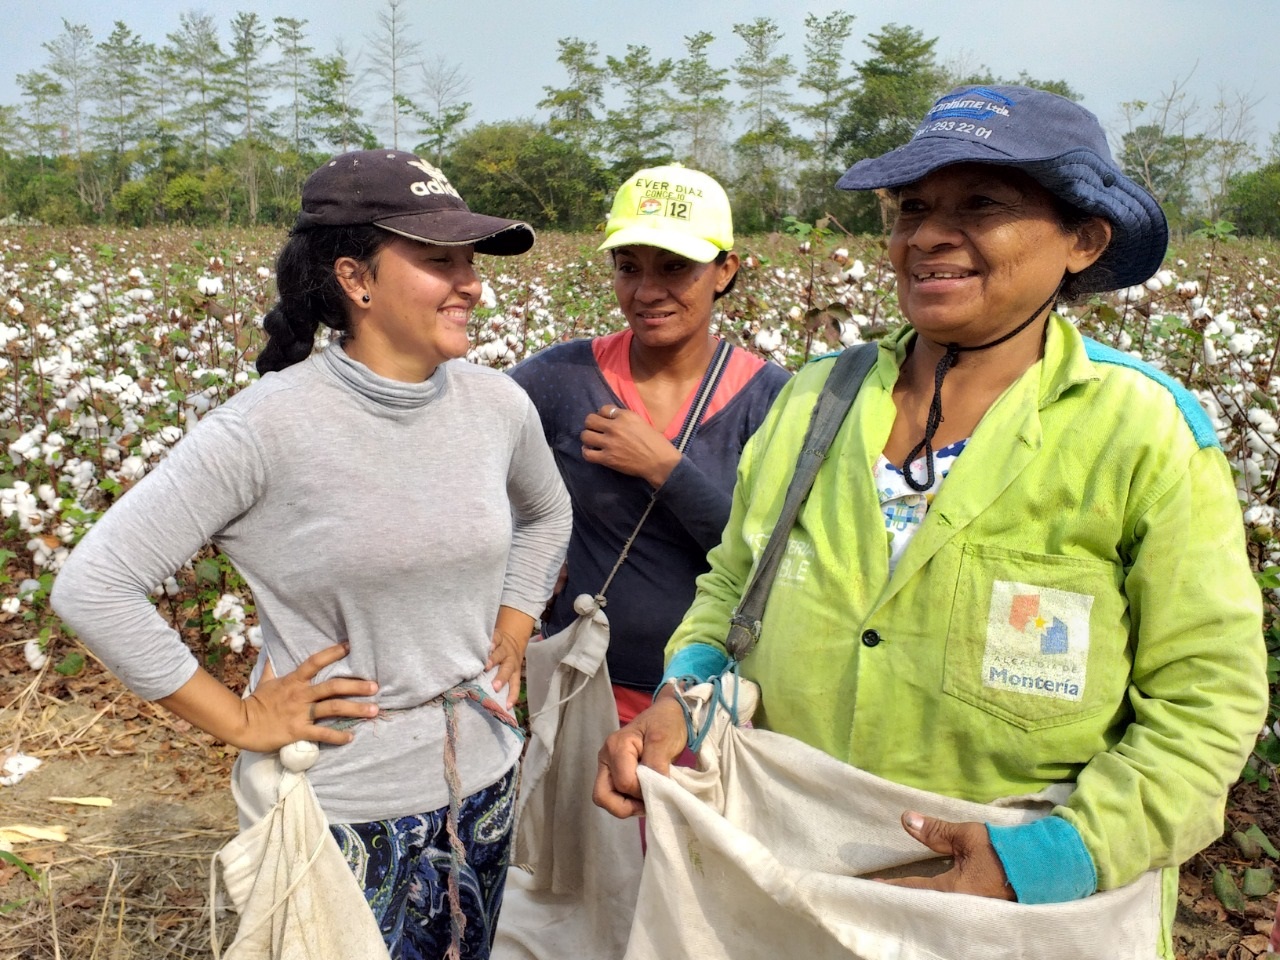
x=403 y=866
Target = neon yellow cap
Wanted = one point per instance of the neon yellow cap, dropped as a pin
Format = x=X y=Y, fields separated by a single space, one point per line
x=674 y=208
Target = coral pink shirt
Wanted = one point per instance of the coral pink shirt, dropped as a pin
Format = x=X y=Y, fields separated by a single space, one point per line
x=613 y=355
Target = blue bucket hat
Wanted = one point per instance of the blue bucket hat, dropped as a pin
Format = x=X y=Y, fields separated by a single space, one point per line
x=1058 y=143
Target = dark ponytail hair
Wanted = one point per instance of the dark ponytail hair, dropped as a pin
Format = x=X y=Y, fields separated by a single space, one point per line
x=309 y=292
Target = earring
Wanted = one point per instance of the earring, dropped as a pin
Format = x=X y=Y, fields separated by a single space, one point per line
x=365 y=298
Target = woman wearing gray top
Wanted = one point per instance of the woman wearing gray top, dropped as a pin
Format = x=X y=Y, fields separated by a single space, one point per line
x=399 y=519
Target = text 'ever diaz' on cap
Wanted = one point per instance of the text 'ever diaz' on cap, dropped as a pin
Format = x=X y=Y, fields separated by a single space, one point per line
x=402 y=193
x=673 y=208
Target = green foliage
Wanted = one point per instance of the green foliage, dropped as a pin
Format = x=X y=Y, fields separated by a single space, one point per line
x=699 y=113
x=221 y=121
x=638 y=134
x=35 y=876
x=899 y=83
x=526 y=172
x=1253 y=201
x=575 y=107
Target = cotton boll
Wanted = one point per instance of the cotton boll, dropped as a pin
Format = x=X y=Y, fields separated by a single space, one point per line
x=254 y=636
x=36 y=658
x=10 y=605
x=1241 y=344
x=1263 y=421
x=209 y=286
x=768 y=340
x=856 y=273
x=15 y=769
x=132 y=468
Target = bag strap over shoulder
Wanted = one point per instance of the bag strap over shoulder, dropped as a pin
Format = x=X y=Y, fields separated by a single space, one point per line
x=693 y=420
x=833 y=403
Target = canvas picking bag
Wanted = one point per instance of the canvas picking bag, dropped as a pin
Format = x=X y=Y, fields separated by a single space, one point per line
x=576 y=869
x=285 y=875
x=769 y=849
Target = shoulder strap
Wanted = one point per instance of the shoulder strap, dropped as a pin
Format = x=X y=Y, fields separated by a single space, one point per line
x=832 y=405
x=693 y=420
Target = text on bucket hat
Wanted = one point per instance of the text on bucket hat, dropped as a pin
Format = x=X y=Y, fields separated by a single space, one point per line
x=674 y=208
x=399 y=192
x=1058 y=143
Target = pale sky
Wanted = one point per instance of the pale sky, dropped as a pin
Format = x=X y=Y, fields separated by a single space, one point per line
x=1110 y=50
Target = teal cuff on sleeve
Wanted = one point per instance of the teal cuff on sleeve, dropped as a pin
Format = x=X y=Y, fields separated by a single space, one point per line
x=1045 y=861
x=698 y=662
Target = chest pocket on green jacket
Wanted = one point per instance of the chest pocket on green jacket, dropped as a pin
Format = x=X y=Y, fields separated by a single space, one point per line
x=1037 y=640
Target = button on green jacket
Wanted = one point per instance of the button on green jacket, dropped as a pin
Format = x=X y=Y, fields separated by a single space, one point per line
x=1077 y=606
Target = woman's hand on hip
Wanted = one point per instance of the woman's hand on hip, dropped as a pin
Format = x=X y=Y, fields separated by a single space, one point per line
x=655 y=738
x=510 y=639
x=621 y=440
x=280 y=710
x=976 y=868
x=284 y=709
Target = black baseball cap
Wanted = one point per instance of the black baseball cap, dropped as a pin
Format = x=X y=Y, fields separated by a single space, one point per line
x=404 y=194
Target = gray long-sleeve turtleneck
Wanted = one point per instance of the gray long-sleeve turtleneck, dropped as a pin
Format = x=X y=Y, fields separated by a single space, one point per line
x=395 y=516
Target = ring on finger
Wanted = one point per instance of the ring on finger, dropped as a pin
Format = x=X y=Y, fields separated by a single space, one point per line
x=613 y=413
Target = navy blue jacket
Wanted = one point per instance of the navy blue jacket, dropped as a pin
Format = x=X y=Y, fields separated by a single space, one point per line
x=655 y=586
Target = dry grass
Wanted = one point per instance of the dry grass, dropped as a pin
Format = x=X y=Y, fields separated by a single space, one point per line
x=131 y=880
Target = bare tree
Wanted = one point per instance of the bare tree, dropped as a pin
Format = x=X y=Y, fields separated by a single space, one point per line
x=394 y=60
x=443 y=110
x=1161 y=148
x=1229 y=149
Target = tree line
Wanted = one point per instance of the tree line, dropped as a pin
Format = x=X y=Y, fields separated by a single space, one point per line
x=217 y=125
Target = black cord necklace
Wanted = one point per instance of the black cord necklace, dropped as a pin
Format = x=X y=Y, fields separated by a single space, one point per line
x=934 y=419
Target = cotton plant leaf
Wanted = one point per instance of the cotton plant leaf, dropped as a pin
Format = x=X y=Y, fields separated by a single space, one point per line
x=1262 y=840
x=1257 y=881
x=1249 y=848
x=1228 y=894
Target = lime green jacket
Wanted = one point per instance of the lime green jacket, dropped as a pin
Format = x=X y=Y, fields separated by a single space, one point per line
x=1077 y=606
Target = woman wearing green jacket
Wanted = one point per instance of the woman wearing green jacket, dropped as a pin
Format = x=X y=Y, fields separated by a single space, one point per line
x=1022 y=562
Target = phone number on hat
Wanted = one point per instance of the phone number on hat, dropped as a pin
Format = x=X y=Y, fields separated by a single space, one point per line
x=949 y=125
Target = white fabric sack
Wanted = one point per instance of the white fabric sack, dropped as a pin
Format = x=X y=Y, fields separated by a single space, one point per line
x=761 y=851
x=577 y=869
x=285 y=875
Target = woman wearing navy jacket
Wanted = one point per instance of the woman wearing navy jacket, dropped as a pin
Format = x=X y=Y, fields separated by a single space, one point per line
x=611 y=407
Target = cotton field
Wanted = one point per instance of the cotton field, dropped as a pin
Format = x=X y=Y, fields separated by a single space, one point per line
x=114 y=344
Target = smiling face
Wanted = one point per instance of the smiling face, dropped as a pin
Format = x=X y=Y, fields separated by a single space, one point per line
x=420 y=299
x=666 y=298
x=978 y=247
